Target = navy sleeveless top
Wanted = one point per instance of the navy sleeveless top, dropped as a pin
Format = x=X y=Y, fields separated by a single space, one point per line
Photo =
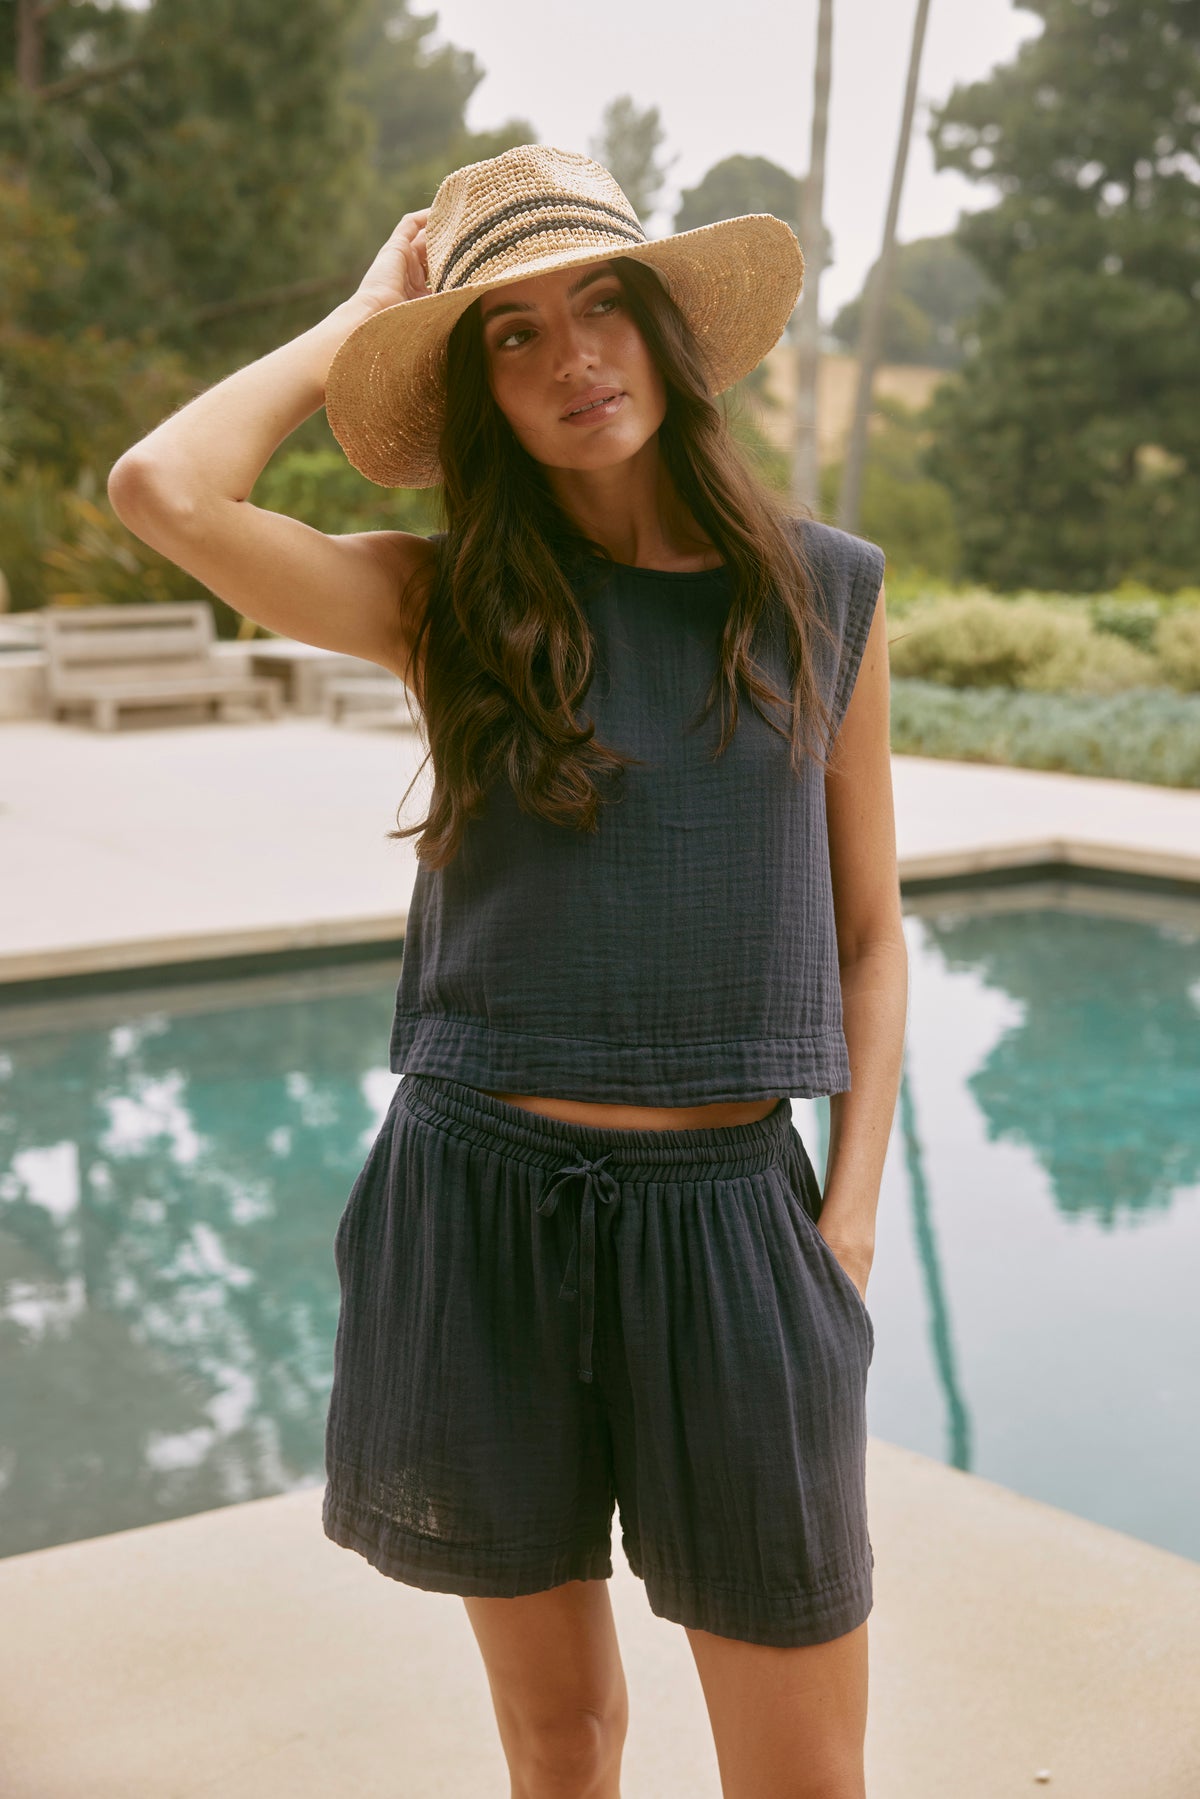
x=685 y=952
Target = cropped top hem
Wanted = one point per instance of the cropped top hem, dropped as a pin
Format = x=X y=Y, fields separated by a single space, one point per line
x=499 y=1058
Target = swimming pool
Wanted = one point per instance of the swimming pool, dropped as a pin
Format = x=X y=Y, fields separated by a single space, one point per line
x=174 y=1159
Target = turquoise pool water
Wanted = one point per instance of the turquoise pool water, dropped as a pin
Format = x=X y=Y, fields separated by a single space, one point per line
x=173 y=1162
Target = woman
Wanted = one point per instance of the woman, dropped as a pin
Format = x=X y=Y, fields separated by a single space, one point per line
x=657 y=895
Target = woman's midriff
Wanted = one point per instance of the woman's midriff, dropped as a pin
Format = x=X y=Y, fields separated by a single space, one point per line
x=641 y=1118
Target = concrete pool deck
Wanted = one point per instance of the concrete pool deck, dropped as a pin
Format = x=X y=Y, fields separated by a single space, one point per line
x=164 y=845
x=239 y=1653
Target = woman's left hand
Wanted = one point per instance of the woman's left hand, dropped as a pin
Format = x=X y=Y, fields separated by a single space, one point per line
x=855 y=1258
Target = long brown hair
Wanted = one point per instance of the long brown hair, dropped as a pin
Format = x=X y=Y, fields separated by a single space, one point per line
x=507 y=649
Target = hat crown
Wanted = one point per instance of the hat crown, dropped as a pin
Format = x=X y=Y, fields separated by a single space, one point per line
x=529 y=205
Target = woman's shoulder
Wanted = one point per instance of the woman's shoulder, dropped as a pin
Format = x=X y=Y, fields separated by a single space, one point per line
x=832 y=546
x=847 y=570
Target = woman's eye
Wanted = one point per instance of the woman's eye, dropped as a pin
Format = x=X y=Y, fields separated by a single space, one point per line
x=504 y=343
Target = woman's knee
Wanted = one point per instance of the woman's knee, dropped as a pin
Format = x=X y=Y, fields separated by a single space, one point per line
x=571 y=1757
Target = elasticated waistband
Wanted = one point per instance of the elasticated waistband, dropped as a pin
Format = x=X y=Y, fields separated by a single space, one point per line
x=713 y=1152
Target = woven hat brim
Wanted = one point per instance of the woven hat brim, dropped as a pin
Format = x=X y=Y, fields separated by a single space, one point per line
x=736 y=281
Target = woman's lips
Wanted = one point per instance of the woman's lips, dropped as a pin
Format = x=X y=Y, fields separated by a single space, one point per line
x=596 y=413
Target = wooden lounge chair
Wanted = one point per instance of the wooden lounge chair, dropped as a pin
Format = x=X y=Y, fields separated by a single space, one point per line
x=370 y=700
x=103 y=659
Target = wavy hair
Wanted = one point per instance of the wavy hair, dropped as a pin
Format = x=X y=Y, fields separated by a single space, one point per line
x=508 y=653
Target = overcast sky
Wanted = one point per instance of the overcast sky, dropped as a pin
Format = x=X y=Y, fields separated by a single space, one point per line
x=736 y=78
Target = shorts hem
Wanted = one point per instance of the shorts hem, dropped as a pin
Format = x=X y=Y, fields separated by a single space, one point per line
x=452 y=1568
x=781 y=1621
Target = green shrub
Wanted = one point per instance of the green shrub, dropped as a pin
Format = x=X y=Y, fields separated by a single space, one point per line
x=1177 y=645
x=64 y=545
x=981 y=641
x=327 y=492
x=901 y=507
x=87 y=557
x=1135 y=619
x=1147 y=734
x=910 y=516
x=1087 y=661
x=33 y=510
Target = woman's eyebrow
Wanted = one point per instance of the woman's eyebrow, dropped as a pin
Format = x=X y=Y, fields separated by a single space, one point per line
x=576 y=287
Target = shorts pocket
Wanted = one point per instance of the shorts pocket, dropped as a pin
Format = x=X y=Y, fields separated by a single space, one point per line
x=377 y=1159
x=809 y=1207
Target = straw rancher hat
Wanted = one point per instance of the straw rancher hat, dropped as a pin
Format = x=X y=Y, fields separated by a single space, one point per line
x=523 y=213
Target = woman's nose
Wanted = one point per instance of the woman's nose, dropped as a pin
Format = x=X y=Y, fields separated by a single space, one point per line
x=574 y=346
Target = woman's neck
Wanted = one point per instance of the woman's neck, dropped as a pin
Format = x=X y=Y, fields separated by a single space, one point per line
x=635 y=513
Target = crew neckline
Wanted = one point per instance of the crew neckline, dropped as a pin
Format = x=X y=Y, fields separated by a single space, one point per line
x=665 y=574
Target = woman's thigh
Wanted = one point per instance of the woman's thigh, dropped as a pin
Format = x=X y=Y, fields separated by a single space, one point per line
x=789 y=1722
x=554 y=1668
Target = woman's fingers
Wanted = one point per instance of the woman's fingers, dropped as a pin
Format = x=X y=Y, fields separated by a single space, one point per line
x=399 y=272
x=416 y=266
x=412 y=237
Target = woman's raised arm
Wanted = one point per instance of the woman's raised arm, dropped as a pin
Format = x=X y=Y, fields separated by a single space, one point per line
x=182 y=489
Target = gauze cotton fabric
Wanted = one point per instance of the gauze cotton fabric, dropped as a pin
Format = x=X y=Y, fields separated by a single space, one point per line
x=685 y=953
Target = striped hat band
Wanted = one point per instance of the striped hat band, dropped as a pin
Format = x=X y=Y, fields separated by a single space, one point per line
x=540 y=215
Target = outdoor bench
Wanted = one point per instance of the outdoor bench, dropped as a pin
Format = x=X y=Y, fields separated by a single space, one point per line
x=369 y=699
x=105 y=659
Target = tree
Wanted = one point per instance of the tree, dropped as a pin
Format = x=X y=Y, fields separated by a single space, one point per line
x=227 y=158
x=936 y=291
x=901 y=505
x=628 y=147
x=1071 y=441
x=237 y=173
x=871 y=338
x=741 y=184
x=181 y=188
x=806 y=321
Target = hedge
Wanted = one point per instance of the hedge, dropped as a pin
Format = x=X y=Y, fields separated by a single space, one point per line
x=1144 y=734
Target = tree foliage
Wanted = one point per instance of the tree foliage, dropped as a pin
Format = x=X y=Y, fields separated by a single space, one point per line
x=936 y=291
x=183 y=187
x=630 y=147
x=737 y=185
x=902 y=507
x=740 y=184
x=1071 y=441
x=225 y=161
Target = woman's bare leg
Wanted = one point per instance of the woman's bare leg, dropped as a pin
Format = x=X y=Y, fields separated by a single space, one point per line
x=558 y=1688
x=788 y=1722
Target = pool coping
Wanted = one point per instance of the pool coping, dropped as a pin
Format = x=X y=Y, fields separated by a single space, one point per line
x=1045 y=858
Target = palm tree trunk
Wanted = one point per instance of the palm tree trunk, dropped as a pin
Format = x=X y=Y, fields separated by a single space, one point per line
x=29 y=45
x=876 y=297
x=806 y=326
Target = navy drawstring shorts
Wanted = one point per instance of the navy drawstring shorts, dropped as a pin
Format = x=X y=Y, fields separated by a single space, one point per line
x=542 y=1319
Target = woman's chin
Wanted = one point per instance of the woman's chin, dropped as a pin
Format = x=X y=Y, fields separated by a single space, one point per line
x=604 y=450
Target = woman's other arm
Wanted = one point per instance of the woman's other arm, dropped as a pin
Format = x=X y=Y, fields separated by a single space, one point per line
x=872 y=955
x=182 y=489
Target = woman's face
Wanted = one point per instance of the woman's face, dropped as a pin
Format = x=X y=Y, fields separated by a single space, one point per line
x=556 y=342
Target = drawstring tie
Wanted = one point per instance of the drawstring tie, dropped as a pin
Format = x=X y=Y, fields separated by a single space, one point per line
x=596 y=1179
